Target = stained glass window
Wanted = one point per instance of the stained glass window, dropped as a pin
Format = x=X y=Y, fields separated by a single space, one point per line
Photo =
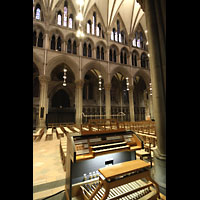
x=65 y=17
x=134 y=42
x=37 y=13
x=138 y=42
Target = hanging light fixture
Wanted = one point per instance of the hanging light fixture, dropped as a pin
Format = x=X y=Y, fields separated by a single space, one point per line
x=64 y=77
x=150 y=88
x=127 y=84
x=100 y=82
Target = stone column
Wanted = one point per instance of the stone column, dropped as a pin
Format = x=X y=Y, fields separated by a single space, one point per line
x=43 y=105
x=79 y=101
x=156 y=39
x=107 y=98
x=131 y=103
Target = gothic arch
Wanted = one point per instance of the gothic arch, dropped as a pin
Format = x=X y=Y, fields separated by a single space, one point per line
x=121 y=70
x=89 y=13
x=97 y=66
x=144 y=75
x=73 y=37
x=67 y=89
x=56 y=31
x=63 y=59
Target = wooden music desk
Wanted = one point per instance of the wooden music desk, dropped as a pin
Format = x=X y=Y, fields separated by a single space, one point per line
x=123 y=168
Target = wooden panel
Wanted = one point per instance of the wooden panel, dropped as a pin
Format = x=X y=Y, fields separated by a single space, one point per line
x=122 y=168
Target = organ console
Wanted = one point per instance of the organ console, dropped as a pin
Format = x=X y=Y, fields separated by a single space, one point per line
x=104 y=166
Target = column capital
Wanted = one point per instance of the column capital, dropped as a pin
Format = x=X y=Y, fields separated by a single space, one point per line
x=107 y=86
x=44 y=79
x=79 y=84
x=131 y=87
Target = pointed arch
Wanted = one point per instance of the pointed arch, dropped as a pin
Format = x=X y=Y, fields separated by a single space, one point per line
x=120 y=70
x=63 y=59
x=97 y=66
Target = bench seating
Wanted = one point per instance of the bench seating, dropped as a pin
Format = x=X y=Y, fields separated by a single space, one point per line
x=59 y=132
x=38 y=135
x=49 y=134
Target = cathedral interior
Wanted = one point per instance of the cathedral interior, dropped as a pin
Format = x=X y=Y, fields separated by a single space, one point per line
x=100 y=60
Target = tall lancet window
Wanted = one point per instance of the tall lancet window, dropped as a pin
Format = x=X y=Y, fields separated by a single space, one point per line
x=37 y=14
x=93 y=23
x=65 y=14
x=70 y=21
x=59 y=18
x=89 y=26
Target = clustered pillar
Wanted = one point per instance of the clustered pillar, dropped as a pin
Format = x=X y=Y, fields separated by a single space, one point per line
x=156 y=37
x=43 y=106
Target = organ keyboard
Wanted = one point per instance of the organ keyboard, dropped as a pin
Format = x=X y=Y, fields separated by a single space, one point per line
x=95 y=145
x=122 y=181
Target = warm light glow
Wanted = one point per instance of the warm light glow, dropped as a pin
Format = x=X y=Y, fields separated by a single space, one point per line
x=80 y=33
x=80 y=2
x=79 y=16
x=65 y=70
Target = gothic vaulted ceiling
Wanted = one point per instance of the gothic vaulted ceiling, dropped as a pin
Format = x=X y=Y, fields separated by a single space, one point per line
x=129 y=10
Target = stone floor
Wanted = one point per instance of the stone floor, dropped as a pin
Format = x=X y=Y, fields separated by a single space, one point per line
x=47 y=168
